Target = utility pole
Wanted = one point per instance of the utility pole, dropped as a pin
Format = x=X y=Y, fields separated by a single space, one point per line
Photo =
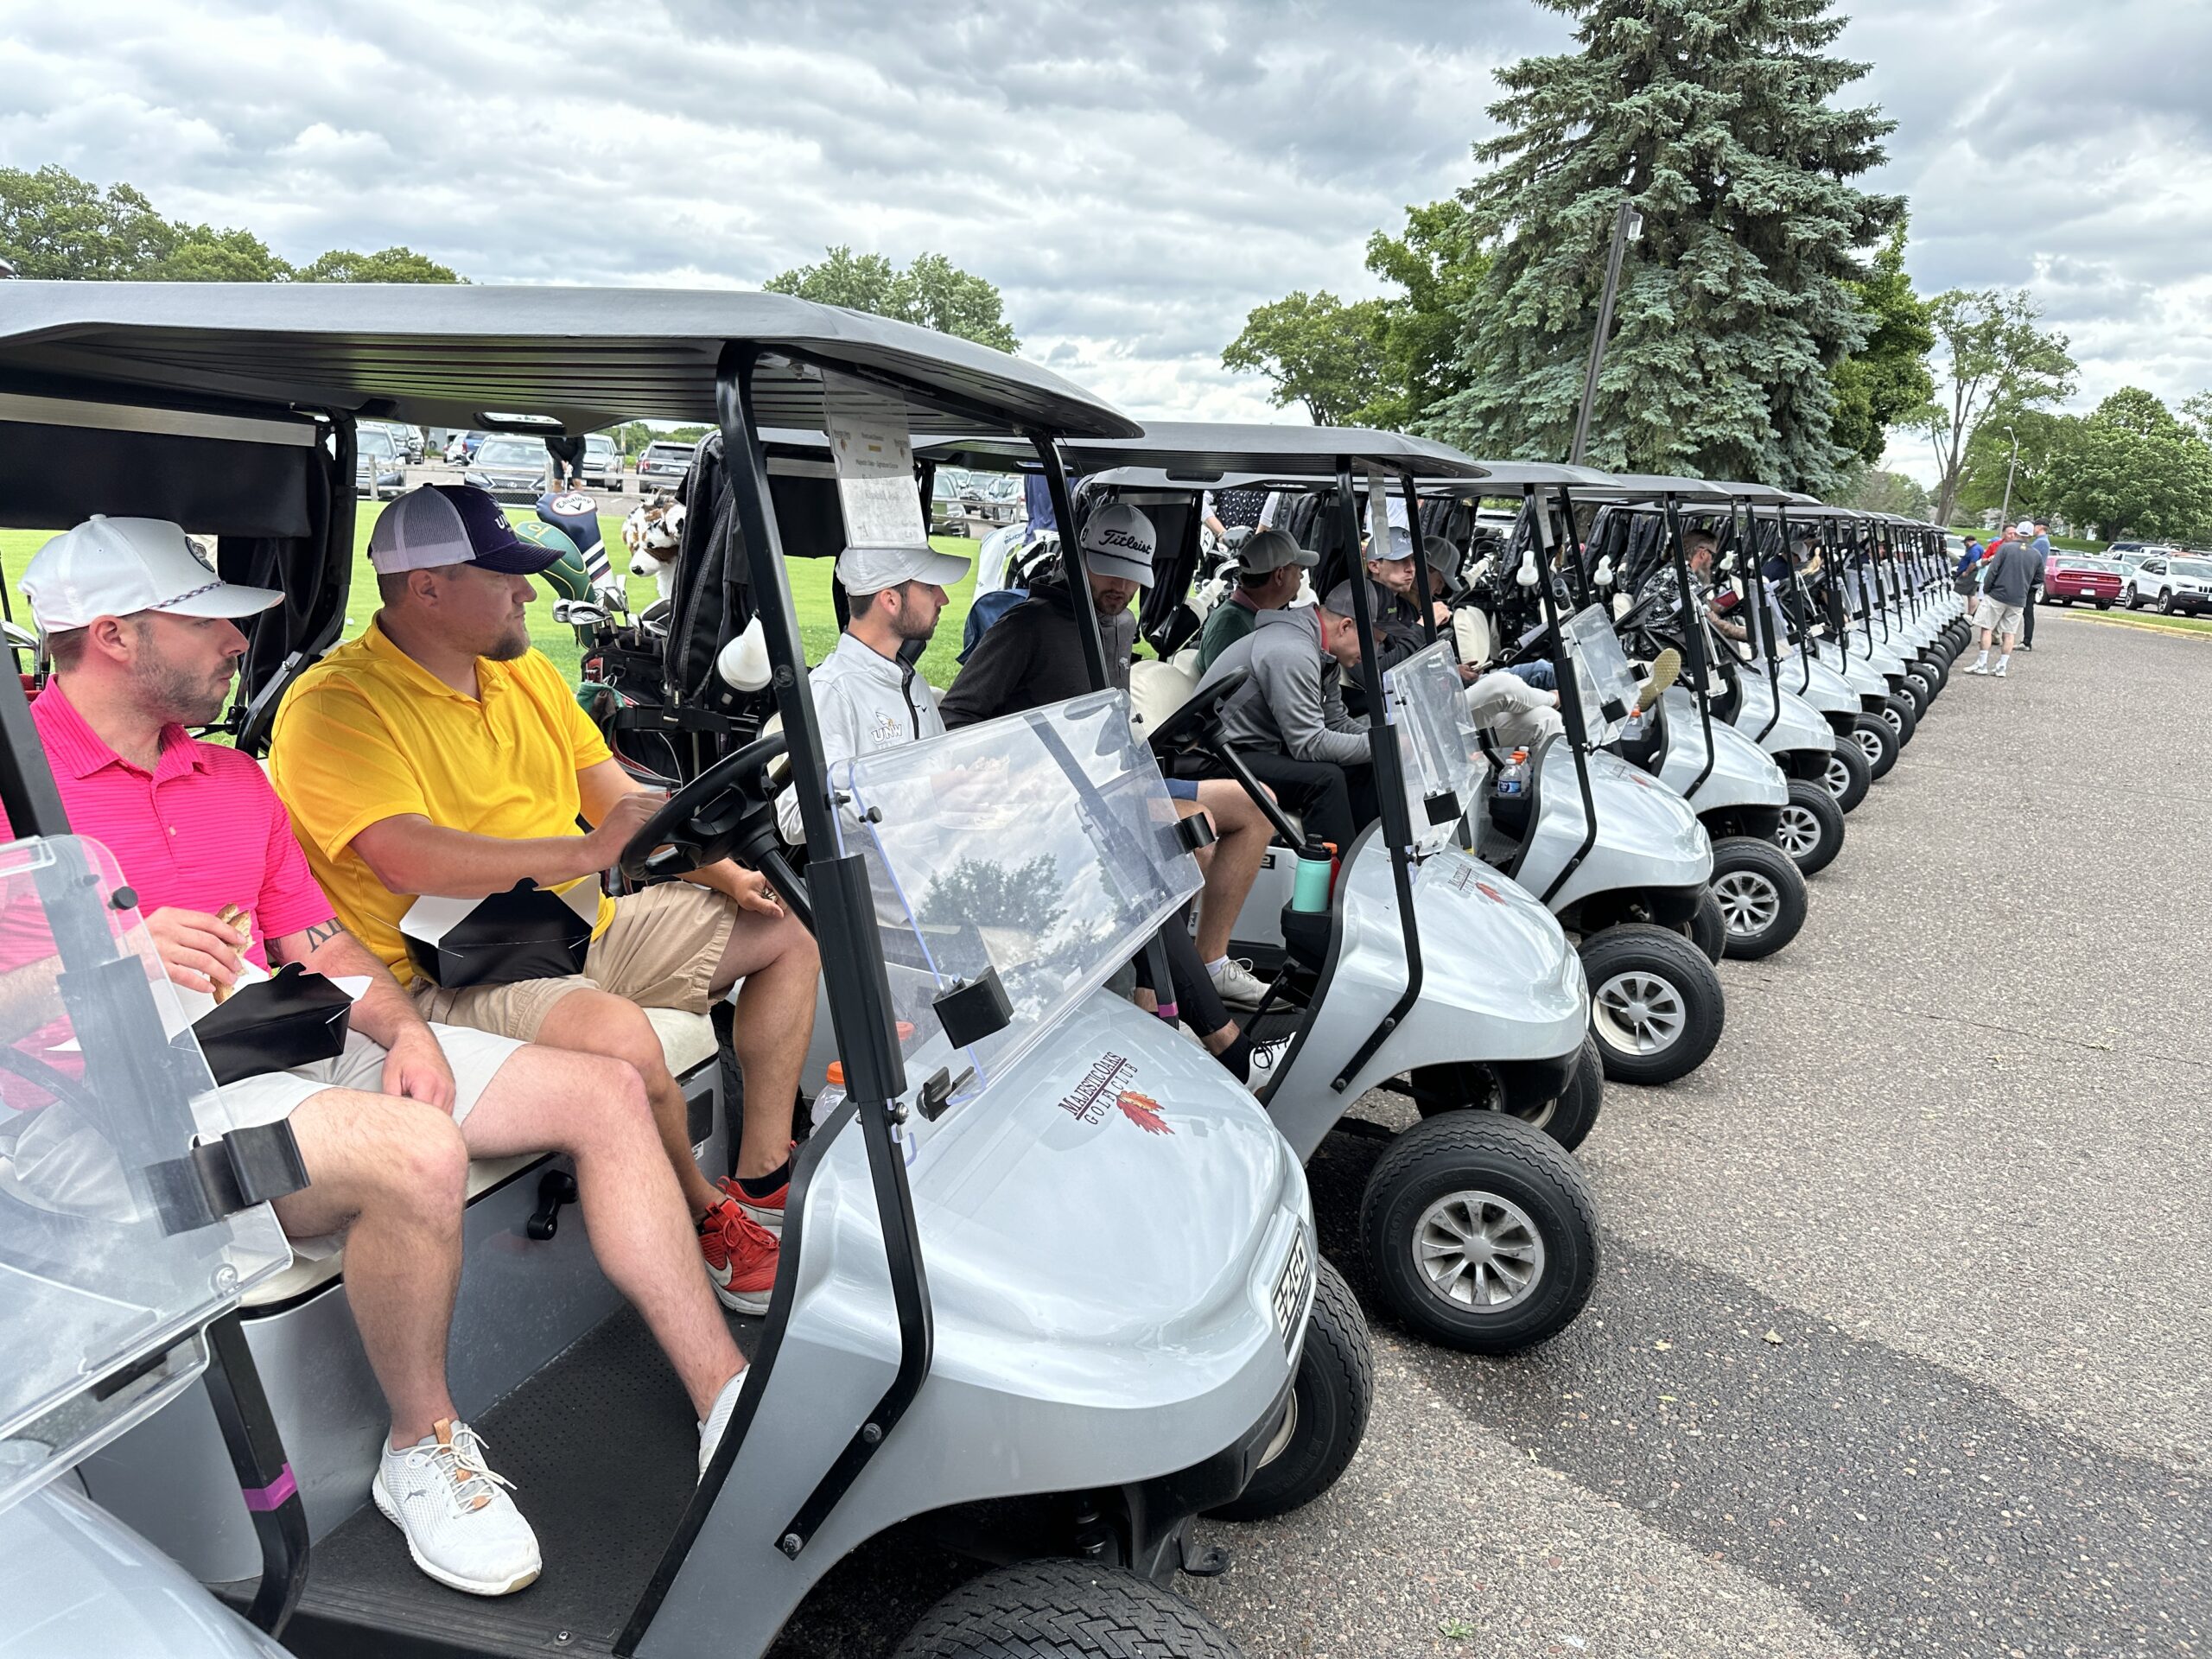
x=2005 y=513
x=1627 y=225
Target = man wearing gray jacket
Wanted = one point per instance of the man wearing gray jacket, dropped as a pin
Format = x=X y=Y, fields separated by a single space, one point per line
x=1287 y=723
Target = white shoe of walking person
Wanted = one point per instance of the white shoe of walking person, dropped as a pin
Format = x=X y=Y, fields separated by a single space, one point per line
x=461 y=1526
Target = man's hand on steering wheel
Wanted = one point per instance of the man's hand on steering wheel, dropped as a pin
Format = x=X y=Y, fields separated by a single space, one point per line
x=629 y=814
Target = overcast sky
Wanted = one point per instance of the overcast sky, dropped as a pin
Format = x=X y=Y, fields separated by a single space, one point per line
x=1134 y=177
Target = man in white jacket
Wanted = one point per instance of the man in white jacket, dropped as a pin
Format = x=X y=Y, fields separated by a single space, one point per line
x=867 y=695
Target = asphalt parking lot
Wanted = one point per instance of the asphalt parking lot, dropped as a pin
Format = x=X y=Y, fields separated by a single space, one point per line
x=1902 y=1343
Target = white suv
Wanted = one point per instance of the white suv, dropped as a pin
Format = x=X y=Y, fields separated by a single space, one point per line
x=2181 y=582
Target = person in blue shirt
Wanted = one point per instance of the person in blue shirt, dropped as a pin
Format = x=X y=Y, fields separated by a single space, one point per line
x=2041 y=548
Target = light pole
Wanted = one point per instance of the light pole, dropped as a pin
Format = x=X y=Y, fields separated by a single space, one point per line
x=1628 y=226
x=2005 y=513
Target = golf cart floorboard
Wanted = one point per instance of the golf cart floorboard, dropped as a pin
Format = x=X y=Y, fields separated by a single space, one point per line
x=603 y=1451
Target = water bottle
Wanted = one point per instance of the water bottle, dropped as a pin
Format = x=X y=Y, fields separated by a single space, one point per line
x=1309 y=891
x=1513 y=775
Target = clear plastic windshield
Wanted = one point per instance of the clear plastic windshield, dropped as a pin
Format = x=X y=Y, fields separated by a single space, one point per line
x=1043 y=844
x=1438 y=747
x=1602 y=674
x=108 y=1253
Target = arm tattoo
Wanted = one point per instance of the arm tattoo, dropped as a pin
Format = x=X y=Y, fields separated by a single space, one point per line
x=318 y=936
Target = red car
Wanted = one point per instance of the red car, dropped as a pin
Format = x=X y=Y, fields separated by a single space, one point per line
x=2067 y=577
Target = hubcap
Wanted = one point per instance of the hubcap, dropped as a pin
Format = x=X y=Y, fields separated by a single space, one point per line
x=1799 y=832
x=1837 y=777
x=1869 y=744
x=1283 y=1434
x=1749 y=902
x=1896 y=720
x=1478 y=1250
x=1639 y=1012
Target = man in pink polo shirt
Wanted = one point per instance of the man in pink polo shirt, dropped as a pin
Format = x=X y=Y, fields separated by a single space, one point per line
x=144 y=644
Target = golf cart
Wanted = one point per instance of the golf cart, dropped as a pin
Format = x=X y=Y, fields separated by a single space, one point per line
x=979 y=1322
x=1621 y=858
x=1752 y=695
x=1419 y=971
x=1637 y=555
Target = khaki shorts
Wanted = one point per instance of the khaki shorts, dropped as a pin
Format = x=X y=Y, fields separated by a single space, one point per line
x=660 y=950
x=1999 y=619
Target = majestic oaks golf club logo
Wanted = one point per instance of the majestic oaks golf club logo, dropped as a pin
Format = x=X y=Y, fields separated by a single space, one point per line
x=1106 y=1086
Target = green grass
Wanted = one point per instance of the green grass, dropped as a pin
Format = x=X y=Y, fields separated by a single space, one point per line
x=2148 y=619
x=809 y=581
x=2068 y=543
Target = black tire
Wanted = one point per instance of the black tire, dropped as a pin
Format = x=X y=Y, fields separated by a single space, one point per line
x=1848 y=774
x=1918 y=693
x=1492 y=1172
x=1938 y=670
x=2130 y=600
x=1812 y=827
x=1567 y=1116
x=1707 y=929
x=2166 y=602
x=1639 y=950
x=1064 y=1609
x=1329 y=1407
x=2104 y=604
x=1762 y=894
x=1877 y=742
x=1903 y=719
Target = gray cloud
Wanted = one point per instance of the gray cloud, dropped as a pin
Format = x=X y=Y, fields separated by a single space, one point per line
x=1134 y=177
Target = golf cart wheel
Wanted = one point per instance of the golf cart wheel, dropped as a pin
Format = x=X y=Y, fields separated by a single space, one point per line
x=1567 y=1115
x=1762 y=894
x=1935 y=668
x=1481 y=1234
x=1064 y=1609
x=1901 y=717
x=1329 y=1403
x=1708 y=929
x=1656 y=1004
x=1917 y=692
x=1811 y=830
x=1848 y=774
x=1878 y=741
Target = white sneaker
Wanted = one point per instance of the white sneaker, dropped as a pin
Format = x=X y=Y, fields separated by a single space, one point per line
x=718 y=1414
x=1998 y=673
x=461 y=1526
x=1978 y=668
x=1238 y=985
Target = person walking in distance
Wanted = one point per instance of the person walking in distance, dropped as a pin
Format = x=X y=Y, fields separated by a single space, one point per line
x=2004 y=584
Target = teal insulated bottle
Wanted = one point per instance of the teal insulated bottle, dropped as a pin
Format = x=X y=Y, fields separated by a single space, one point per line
x=1310 y=890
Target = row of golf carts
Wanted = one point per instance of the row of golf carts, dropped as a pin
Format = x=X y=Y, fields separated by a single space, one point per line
x=1050 y=1285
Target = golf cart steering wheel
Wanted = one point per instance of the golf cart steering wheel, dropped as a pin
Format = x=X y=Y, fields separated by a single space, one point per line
x=724 y=810
x=1187 y=727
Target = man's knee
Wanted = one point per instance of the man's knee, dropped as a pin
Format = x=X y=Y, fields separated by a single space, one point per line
x=602 y=1023
x=386 y=1148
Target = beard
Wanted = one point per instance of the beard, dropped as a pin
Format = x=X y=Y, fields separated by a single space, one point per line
x=509 y=645
x=179 y=697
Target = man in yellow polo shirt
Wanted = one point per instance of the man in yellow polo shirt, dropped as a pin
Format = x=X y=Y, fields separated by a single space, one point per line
x=438 y=754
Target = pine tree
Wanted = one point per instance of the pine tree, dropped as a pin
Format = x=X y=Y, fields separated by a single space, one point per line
x=1712 y=117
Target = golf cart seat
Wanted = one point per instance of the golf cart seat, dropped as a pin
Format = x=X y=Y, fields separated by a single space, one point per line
x=1157 y=689
x=686 y=1039
x=1470 y=634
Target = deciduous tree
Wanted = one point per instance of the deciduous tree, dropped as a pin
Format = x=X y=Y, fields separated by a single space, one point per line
x=932 y=291
x=1989 y=352
x=1318 y=351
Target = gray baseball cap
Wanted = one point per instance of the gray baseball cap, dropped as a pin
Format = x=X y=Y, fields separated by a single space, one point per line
x=1271 y=550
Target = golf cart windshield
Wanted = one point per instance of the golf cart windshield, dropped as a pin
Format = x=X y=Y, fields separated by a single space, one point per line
x=1044 y=845
x=1438 y=742
x=108 y=1254
x=1602 y=674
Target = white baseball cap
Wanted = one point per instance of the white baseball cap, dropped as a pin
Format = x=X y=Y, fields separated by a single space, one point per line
x=866 y=570
x=119 y=566
x=2023 y=528
x=1118 y=540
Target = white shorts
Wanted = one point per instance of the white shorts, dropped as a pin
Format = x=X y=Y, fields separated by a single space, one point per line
x=475 y=1055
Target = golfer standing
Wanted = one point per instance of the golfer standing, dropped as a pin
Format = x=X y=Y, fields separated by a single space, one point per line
x=2005 y=583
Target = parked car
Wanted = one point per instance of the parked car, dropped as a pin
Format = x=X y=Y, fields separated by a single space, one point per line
x=2172 y=582
x=663 y=465
x=1003 y=502
x=512 y=469
x=948 y=504
x=2069 y=577
x=378 y=470
x=602 y=462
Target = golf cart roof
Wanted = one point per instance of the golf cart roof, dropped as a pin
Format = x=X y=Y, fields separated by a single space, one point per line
x=1644 y=486
x=436 y=355
x=1502 y=477
x=1212 y=454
